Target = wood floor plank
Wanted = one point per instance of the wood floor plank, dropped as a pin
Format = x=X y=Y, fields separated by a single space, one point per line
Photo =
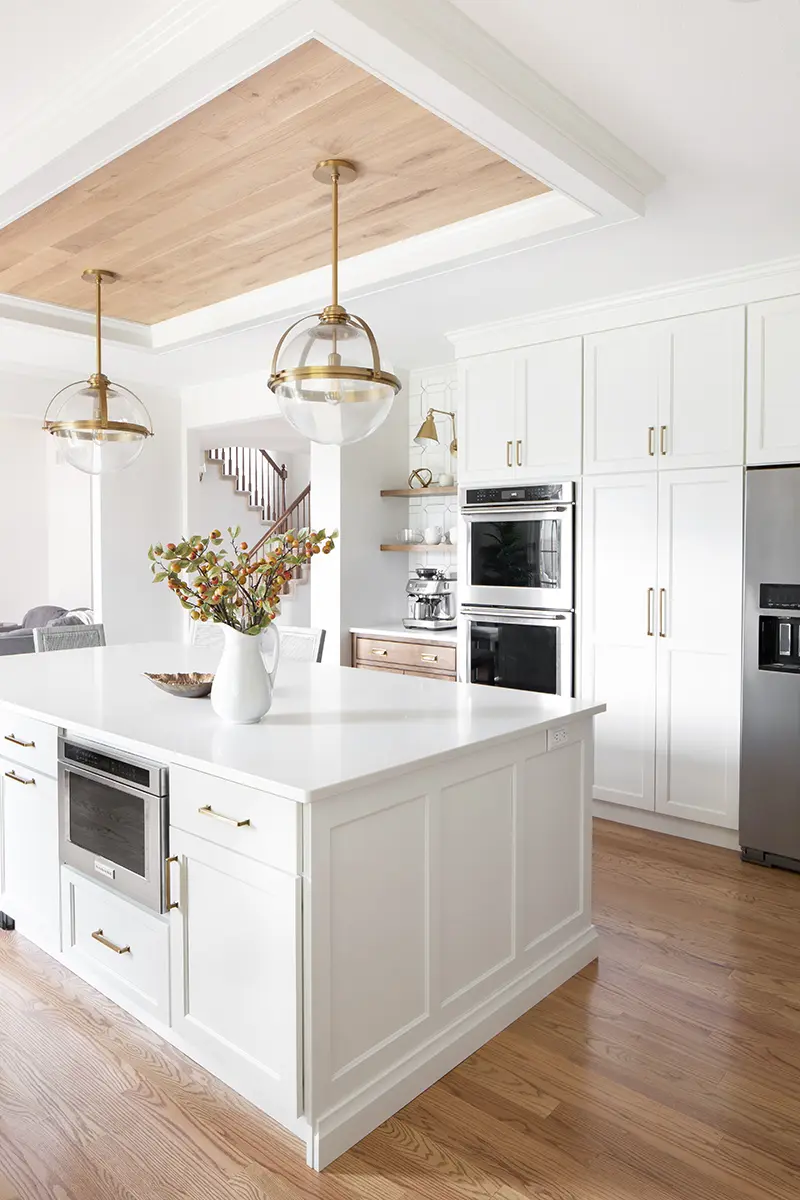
x=669 y=1070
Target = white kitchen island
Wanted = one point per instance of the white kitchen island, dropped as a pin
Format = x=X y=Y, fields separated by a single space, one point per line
x=415 y=873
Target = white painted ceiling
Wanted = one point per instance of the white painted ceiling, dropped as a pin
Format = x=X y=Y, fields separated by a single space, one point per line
x=50 y=50
x=707 y=91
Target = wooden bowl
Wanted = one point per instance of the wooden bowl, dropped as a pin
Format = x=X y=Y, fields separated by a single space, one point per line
x=191 y=685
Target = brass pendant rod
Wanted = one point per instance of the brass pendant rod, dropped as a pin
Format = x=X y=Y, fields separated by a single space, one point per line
x=98 y=284
x=335 y=234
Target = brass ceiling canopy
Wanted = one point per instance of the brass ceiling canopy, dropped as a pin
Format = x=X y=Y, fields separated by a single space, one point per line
x=329 y=379
x=101 y=426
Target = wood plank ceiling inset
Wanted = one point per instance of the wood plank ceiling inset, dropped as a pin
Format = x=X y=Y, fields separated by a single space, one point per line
x=223 y=201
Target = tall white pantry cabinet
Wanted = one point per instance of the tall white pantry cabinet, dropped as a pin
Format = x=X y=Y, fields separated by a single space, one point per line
x=655 y=432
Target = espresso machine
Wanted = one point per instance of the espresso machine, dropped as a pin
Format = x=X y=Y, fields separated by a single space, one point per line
x=431 y=600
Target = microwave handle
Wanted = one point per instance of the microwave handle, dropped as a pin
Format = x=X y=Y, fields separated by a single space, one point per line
x=111 y=781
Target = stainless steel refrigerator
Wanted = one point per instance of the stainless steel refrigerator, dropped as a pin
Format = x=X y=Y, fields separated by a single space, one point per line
x=769 y=820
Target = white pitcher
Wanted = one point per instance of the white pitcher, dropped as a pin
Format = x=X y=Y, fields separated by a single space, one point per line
x=243 y=687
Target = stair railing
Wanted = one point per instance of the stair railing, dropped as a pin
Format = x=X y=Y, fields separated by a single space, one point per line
x=297 y=516
x=257 y=475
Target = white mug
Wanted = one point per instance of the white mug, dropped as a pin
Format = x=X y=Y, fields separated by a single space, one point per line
x=446 y=480
x=452 y=535
x=433 y=535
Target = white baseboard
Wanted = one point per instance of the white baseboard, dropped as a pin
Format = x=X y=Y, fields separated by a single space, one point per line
x=694 y=831
x=347 y=1124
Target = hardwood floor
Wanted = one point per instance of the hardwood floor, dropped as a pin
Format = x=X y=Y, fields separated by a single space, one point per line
x=668 y=1070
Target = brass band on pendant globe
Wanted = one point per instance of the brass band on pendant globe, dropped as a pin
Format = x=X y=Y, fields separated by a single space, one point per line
x=328 y=379
x=101 y=426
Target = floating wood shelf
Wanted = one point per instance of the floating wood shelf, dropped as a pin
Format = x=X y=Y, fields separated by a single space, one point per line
x=428 y=491
x=420 y=546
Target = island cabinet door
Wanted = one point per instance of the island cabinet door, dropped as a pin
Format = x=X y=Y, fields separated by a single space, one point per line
x=29 y=864
x=235 y=971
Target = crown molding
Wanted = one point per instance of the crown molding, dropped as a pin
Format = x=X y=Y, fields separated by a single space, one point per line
x=72 y=320
x=452 y=247
x=724 y=289
x=445 y=41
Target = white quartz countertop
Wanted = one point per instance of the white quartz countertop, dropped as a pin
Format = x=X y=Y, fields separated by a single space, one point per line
x=398 y=633
x=329 y=729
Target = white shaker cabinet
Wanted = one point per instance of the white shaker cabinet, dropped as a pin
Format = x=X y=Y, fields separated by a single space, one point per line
x=624 y=371
x=487 y=418
x=29 y=859
x=520 y=414
x=667 y=395
x=700 y=530
x=236 y=970
x=662 y=585
x=548 y=432
x=619 y=651
x=773 y=371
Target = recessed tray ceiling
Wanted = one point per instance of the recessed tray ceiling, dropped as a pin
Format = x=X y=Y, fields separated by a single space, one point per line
x=222 y=201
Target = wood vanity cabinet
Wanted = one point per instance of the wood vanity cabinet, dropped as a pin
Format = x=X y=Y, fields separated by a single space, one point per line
x=431 y=660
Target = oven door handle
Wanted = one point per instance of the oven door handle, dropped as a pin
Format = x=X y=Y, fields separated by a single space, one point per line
x=512 y=614
x=521 y=511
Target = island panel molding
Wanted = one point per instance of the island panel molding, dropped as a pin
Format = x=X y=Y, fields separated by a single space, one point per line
x=219 y=203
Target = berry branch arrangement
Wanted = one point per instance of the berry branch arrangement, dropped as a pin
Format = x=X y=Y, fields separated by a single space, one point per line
x=214 y=582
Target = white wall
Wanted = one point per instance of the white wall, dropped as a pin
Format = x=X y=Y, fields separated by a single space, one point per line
x=23 y=517
x=69 y=531
x=132 y=509
x=359 y=584
x=432 y=388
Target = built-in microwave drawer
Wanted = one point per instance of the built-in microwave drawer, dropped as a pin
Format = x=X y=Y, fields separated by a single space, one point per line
x=117 y=945
x=241 y=818
x=426 y=656
x=29 y=742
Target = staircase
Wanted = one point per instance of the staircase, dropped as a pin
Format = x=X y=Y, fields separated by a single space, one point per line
x=256 y=476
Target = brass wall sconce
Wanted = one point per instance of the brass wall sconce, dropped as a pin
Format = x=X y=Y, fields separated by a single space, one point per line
x=428 y=435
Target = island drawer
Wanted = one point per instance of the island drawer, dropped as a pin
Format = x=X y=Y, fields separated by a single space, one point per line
x=241 y=818
x=122 y=949
x=29 y=742
x=427 y=656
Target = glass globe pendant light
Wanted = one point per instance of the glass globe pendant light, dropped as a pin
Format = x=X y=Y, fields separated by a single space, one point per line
x=328 y=379
x=101 y=426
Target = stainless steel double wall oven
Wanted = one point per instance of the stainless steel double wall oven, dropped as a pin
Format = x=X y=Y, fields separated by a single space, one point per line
x=517 y=578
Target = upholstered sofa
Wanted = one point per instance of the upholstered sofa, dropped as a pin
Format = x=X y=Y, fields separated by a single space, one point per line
x=18 y=639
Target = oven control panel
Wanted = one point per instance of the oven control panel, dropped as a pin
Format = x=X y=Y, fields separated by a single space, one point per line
x=537 y=493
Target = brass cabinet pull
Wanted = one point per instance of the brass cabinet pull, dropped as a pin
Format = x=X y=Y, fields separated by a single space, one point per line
x=9 y=737
x=98 y=937
x=651 y=595
x=662 y=439
x=429 y=657
x=170 y=903
x=208 y=811
x=651 y=440
x=519 y=453
x=509 y=463
x=19 y=779
x=662 y=612
x=380 y=653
